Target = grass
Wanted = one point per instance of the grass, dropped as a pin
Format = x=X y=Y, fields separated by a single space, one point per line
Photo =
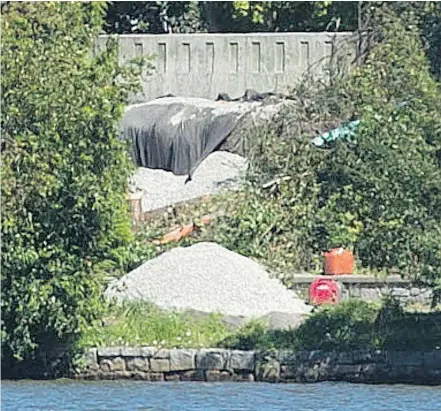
x=351 y=325
x=144 y=324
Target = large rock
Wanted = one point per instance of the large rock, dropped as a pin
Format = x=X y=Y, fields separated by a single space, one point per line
x=112 y=365
x=109 y=352
x=211 y=359
x=269 y=371
x=160 y=362
x=241 y=360
x=138 y=364
x=182 y=360
x=160 y=365
x=146 y=352
x=91 y=360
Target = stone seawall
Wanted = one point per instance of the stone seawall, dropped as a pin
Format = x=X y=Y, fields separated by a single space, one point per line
x=364 y=366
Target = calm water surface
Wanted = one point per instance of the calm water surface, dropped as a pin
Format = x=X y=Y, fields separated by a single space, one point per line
x=183 y=396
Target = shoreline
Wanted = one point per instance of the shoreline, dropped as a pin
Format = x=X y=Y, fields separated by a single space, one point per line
x=151 y=364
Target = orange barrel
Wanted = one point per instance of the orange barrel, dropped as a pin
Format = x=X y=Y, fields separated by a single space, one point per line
x=338 y=261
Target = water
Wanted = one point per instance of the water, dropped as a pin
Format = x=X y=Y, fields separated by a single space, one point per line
x=194 y=396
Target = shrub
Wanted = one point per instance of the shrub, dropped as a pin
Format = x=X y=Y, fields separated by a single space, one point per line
x=388 y=181
x=344 y=327
x=422 y=15
x=253 y=336
x=378 y=194
x=352 y=325
x=396 y=329
x=64 y=219
x=272 y=219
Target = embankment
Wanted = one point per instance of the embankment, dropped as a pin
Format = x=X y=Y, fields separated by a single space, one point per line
x=362 y=366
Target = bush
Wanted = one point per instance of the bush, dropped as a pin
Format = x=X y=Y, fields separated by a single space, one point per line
x=423 y=15
x=344 y=327
x=400 y=330
x=272 y=219
x=253 y=336
x=388 y=181
x=352 y=325
x=65 y=220
x=378 y=194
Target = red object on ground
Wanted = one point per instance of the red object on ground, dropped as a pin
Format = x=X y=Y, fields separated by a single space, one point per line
x=178 y=234
x=324 y=291
x=338 y=261
x=184 y=231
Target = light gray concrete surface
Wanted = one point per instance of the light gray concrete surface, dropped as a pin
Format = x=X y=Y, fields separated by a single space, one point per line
x=203 y=65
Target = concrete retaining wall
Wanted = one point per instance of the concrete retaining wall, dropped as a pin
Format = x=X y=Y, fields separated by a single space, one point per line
x=203 y=65
x=369 y=288
x=147 y=363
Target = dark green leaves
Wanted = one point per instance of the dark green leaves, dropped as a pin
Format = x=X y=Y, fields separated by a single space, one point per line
x=64 y=171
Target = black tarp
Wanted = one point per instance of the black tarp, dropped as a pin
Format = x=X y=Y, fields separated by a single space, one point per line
x=177 y=134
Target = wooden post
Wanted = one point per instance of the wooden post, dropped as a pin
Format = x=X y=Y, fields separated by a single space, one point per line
x=136 y=207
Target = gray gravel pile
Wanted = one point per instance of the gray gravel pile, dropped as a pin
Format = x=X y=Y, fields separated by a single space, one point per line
x=219 y=171
x=209 y=278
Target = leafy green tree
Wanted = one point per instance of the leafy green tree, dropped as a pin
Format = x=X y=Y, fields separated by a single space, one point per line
x=295 y=16
x=155 y=17
x=425 y=17
x=388 y=181
x=64 y=171
x=236 y=16
x=378 y=194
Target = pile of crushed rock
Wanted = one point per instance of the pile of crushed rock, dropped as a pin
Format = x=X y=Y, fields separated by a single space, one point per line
x=208 y=278
x=219 y=171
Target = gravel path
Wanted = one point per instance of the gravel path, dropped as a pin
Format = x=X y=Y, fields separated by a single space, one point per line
x=220 y=170
x=209 y=278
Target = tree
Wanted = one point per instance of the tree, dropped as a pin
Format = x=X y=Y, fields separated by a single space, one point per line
x=423 y=16
x=377 y=192
x=155 y=17
x=64 y=171
x=388 y=181
x=296 y=16
x=237 y=16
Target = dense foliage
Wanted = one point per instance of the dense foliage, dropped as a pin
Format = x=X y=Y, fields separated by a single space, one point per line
x=64 y=171
x=396 y=160
x=125 y=17
x=378 y=194
x=388 y=181
x=235 y=16
x=351 y=325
